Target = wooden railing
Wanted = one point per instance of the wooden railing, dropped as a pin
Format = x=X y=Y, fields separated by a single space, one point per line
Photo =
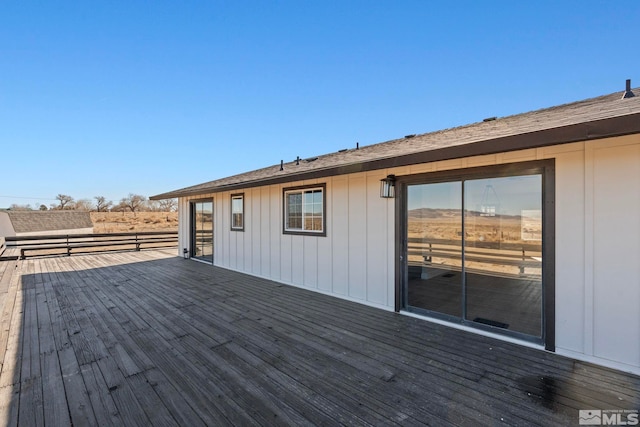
x=436 y=252
x=88 y=243
x=3 y=245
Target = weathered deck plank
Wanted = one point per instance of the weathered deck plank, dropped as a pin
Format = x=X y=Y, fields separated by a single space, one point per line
x=147 y=338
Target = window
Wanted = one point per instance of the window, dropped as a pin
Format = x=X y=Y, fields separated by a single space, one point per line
x=304 y=210
x=237 y=212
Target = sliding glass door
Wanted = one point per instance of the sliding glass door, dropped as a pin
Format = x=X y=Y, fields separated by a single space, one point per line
x=474 y=252
x=202 y=230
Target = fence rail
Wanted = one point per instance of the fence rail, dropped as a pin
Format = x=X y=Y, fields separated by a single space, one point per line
x=67 y=244
x=481 y=257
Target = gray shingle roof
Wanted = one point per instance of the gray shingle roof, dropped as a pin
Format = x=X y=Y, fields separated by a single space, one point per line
x=32 y=221
x=594 y=118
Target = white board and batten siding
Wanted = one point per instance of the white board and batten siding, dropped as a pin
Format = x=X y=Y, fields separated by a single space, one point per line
x=616 y=250
x=597 y=242
x=597 y=251
x=354 y=260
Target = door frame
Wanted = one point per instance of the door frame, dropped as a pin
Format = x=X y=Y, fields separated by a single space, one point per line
x=192 y=221
x=547 y=169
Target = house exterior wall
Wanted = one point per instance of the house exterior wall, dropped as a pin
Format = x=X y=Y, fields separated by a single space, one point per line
x=597 y=242
x=6 y=229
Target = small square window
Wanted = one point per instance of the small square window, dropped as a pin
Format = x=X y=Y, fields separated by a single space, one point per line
x=237 y=212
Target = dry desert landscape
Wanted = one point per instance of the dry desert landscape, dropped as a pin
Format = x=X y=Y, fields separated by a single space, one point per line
x=123 y=222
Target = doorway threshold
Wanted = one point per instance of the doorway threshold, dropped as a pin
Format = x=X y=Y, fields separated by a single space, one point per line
x=475 y=330
x=202 y=261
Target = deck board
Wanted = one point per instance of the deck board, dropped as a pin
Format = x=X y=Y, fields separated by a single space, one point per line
x=147 y=338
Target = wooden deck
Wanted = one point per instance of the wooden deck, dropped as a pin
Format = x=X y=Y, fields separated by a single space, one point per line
x=147 y=338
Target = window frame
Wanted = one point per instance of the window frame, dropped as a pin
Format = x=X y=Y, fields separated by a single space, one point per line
x=285 y=209
x=233 y=197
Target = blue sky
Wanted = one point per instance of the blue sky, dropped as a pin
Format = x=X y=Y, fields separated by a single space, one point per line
x=111 y=98
x=509 y=195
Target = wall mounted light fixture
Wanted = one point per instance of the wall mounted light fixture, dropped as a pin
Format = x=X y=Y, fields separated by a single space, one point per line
x=388 y=187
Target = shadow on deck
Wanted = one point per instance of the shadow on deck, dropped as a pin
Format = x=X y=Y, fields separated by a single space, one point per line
x=147 y=338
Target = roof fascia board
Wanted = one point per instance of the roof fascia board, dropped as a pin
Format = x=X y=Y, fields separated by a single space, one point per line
x=586 y=131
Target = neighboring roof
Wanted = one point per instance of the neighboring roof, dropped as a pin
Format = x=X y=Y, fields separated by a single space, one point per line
x=601 y=117
x=32 y=221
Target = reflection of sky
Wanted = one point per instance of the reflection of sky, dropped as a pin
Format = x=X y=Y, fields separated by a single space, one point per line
x=509 y=195
x=443 y=195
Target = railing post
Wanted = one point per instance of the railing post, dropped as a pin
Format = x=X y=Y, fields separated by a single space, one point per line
x=137 y=244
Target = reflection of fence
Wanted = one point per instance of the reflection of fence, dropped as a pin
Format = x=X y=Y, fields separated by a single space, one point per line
x=203 y=236
x=497 y=254
x=203 y=233
x=203 y=243
x=86 y=243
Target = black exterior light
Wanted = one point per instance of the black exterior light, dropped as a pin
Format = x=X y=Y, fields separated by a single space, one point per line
x=388 y=187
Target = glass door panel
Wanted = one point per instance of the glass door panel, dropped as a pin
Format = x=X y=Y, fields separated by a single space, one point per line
x=434 y=244
x=503 y=252
x=474 y=252
x=202 y=230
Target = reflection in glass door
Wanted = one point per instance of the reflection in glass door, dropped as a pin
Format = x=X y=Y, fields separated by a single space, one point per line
x=474 y=252
x=503 y=252
x=434 y=235
x=202 y=230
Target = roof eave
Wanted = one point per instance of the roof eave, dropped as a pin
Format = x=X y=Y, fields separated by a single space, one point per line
x=586 y=131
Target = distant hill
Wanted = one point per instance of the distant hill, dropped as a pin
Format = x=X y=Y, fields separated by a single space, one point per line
x=423 y=213
x=433 y=213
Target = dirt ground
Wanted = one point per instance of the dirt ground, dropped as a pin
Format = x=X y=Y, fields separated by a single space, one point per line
x=447 y=225
x=119 y=222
